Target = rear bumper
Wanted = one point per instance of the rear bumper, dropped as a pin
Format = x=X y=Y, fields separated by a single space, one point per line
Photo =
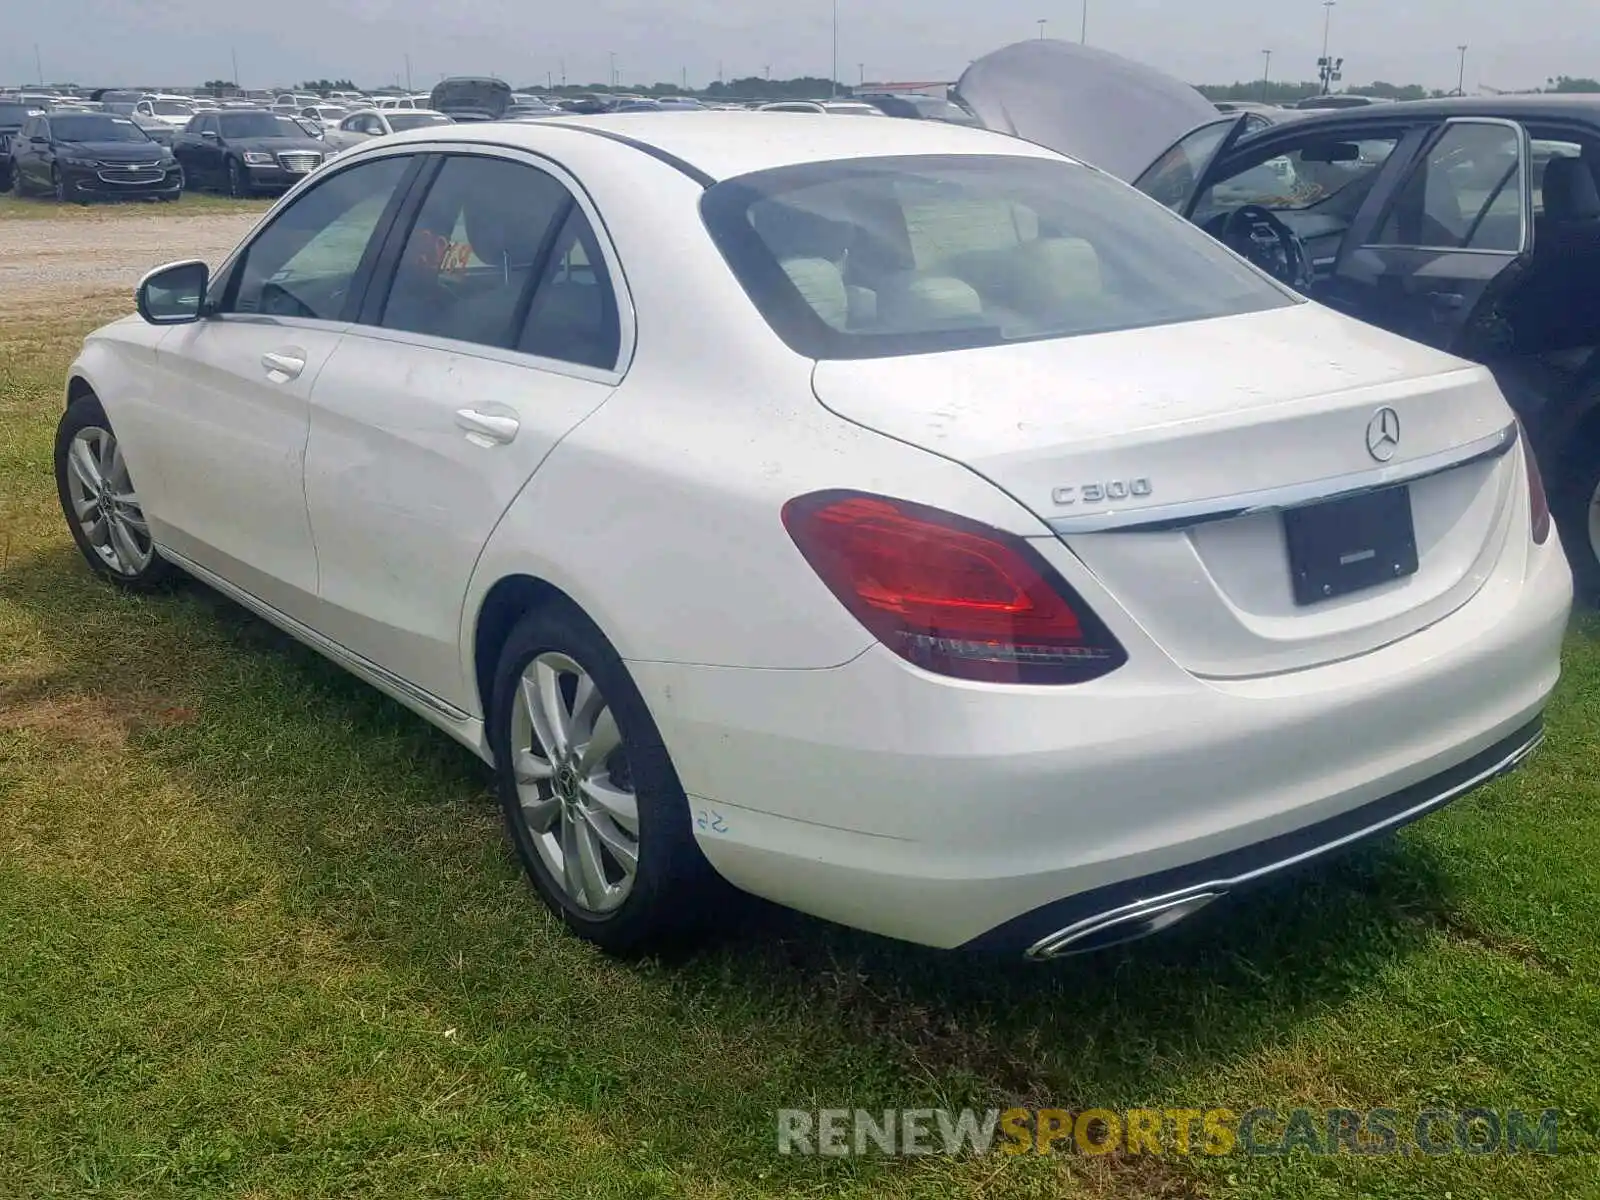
x=1121 y=912
x=952 y=813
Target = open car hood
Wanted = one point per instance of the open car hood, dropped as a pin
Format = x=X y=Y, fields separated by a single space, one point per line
x=1098 y=107
x=486 y=99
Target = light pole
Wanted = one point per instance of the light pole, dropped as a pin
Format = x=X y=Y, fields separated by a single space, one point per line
x=408 y=73
x=1327 y=67
x=1042 y=24
x=1083 y=30
x=1461 y=76
x=1266 y=74
x=235 y=55
x=833 y=75
x=613 y=54
x=863 y=67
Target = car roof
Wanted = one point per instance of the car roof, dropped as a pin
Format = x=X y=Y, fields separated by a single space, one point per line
x=725 y=144
x=1536 y=107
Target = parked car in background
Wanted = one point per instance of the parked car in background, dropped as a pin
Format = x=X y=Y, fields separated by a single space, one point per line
x=247 y=153
x=172 y=111
x=1339 y=100
x=471 y=98
x=14 y=115
x=532 y=108
x=839 y=108
x=417 y=101
x=293 y=102
x=589 y=105
x=90 y=156
x=1471 y=224
x=362 y=127
x=1096 y=574
x=917 y=107
x=326 y=116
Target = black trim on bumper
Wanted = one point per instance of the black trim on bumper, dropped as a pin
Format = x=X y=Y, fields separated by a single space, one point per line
x=1134 y=905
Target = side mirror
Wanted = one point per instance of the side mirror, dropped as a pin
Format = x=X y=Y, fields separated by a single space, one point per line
x=39 y=139
x=173 y=294
x=209 y=133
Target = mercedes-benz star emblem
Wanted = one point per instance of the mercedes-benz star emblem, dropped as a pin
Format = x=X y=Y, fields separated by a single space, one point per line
x=1383 y=434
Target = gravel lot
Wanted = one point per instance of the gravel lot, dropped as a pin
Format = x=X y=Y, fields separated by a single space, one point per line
x=49 y=258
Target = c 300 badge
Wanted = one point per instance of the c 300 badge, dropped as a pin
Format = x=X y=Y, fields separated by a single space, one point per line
x=1108 y=492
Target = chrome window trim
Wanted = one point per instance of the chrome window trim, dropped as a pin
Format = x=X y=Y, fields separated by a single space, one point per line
x=1156 y=518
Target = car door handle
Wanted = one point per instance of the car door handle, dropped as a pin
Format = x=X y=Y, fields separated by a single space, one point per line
x=485 y=428
x=287 y=365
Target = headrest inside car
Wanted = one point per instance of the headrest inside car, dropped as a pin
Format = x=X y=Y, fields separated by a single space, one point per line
x=1569 y=189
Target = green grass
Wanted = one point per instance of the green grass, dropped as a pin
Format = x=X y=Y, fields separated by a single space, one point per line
x=260 y=937
x=31 y=208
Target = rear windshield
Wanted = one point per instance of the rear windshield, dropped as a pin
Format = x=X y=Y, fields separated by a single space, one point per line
x=874 y=257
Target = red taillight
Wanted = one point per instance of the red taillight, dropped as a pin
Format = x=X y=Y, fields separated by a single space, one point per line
x=949 y=594
x=1538 y=502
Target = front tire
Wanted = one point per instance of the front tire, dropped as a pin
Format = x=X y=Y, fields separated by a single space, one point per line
x=99 y=501
x=589 y=795
x=238 y=189
x=58 y=185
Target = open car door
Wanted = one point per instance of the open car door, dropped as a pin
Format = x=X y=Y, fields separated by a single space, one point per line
x=1175 y=178
x=1436 y=240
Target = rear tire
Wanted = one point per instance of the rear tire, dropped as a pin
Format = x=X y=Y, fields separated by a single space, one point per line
x=569 y=813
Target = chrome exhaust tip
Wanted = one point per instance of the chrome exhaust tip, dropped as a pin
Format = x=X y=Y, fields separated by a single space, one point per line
x=1127 y=924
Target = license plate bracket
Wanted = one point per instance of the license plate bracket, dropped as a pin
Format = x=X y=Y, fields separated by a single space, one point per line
x=1351 y=544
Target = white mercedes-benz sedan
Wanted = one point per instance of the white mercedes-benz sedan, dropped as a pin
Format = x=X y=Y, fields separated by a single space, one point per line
x=896 y=520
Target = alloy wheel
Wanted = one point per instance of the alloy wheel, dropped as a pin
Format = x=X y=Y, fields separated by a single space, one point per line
x=235 y=180
x=58 y=184
x=574 y=784
x=104 y=503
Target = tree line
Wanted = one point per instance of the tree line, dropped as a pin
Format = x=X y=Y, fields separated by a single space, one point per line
x=810 y=87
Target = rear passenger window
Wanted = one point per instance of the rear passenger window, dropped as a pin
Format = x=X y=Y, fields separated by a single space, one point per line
x=573 y=317
x=468 y=268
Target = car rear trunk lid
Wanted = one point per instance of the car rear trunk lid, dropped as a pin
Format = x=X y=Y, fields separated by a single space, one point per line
x=1164 y=459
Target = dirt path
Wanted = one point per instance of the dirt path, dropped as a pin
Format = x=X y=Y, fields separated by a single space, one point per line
x=43 y=260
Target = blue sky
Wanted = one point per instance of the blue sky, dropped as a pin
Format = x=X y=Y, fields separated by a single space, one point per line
x=110 y=41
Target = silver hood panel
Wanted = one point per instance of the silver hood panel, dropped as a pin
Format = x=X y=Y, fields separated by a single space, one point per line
x=1101 y=108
